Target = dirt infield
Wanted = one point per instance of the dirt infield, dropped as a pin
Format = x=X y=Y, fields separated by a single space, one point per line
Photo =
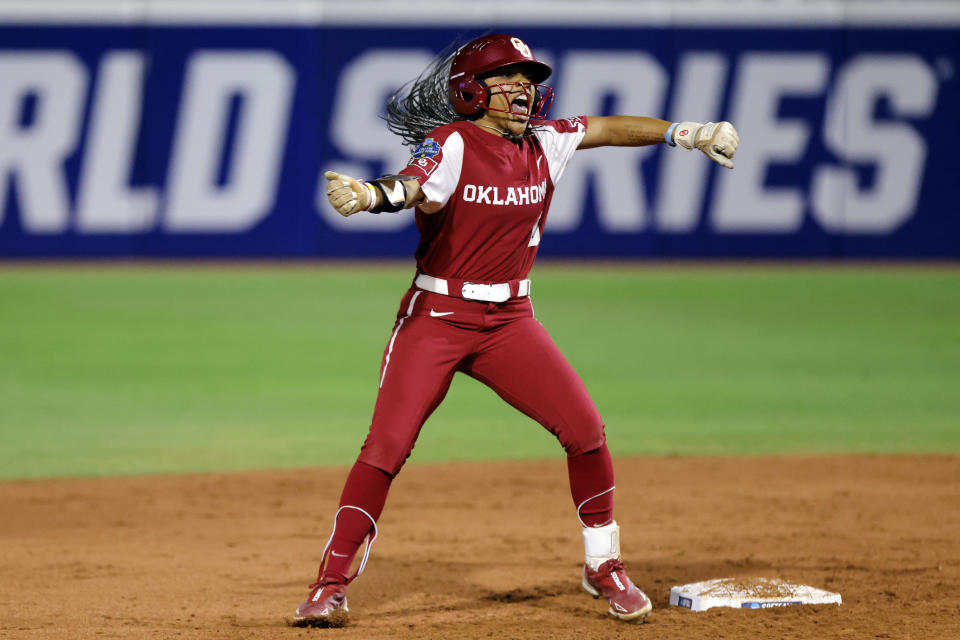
x=487 y=551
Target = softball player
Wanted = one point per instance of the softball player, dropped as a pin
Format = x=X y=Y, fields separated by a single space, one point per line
x=481 y=179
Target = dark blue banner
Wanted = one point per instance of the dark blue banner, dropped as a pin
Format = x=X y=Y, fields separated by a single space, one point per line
x=170 y=140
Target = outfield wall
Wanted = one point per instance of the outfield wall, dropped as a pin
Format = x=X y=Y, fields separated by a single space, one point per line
x=202 y=129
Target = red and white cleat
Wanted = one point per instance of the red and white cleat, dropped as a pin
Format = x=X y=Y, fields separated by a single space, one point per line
x=326 y=606
x=610 y=580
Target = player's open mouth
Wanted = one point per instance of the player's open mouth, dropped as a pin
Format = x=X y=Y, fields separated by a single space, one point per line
x=520 y=105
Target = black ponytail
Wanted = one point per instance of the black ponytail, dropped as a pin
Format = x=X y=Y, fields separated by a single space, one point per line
x=422 y=105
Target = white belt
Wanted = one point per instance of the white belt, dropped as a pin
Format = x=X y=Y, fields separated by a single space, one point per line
x=471 y=290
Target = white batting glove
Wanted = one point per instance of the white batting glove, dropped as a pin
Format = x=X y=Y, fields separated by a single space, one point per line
x=349 y=195
x=718 y=140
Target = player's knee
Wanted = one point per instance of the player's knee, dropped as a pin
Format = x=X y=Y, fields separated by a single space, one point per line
x=378 y=462
x=583 y=440
x=386 y=452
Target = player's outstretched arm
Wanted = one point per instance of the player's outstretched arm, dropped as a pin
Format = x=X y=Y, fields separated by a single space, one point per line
x=718 y=140
x=623 y=131
x=390 y=193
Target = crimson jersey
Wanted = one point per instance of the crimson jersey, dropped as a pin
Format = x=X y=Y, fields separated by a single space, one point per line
x=495 y=194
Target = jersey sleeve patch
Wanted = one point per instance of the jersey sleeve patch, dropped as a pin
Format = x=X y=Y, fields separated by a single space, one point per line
x=577 y=124
x=426 y=166
x=425 y=159
x=437 y=166
x=427 y=149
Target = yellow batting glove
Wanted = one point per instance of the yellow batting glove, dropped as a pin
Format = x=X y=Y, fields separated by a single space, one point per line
x=349 y=195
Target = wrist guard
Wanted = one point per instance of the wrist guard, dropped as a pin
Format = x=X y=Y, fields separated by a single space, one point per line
x=393 y=194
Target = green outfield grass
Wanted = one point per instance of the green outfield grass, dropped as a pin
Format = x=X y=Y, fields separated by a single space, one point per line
x=144 y=369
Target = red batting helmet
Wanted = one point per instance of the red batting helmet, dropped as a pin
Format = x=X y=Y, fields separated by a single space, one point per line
x=468 y=94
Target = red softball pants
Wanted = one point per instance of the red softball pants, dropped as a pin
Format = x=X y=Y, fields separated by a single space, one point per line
x=499 y=344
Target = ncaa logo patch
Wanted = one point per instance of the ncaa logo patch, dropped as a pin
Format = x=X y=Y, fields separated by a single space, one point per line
x=427 y=149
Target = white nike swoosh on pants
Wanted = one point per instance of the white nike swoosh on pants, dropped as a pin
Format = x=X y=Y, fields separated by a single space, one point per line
x=437 y=314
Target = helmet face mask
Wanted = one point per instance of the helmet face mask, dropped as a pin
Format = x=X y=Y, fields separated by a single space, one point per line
x=490 y=56
x=539 y=97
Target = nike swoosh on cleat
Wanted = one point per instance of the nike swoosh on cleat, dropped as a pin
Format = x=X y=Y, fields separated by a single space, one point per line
x=437 y=314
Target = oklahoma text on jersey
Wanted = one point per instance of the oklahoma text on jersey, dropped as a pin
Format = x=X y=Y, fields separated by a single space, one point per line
x=495 y=194
x=482 y=194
